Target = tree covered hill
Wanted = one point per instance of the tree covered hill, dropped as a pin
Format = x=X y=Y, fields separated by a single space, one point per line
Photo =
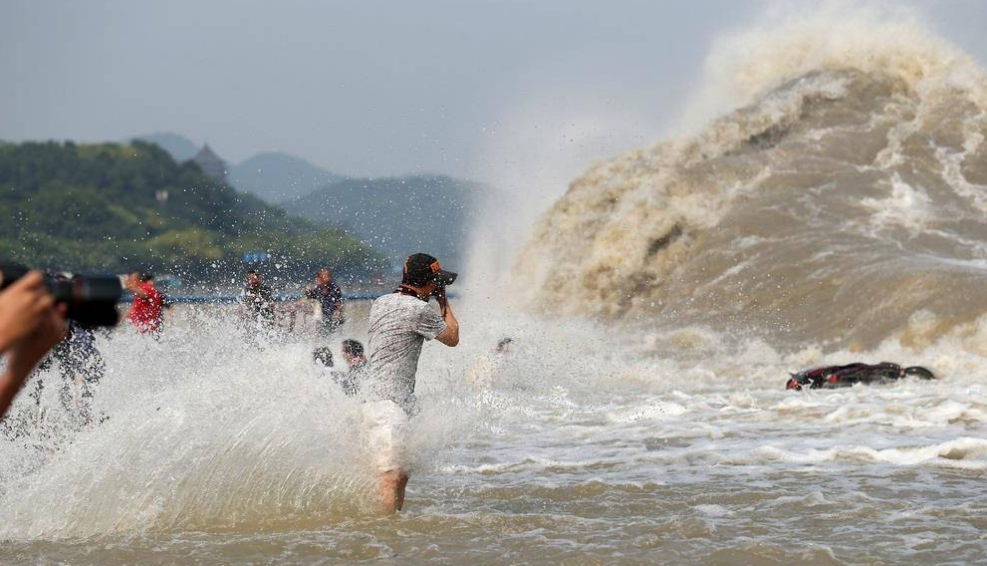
x=272 y=176
x=112 y=207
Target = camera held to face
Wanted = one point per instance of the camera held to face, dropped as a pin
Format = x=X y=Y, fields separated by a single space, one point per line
x=90 y=299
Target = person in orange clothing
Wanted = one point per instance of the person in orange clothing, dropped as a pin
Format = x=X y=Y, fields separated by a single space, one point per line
x=146 y=314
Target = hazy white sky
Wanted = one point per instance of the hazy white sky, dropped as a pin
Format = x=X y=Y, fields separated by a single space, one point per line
x=376 y=87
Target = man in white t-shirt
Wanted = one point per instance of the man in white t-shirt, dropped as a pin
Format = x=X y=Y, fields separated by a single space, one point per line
x=400 y=323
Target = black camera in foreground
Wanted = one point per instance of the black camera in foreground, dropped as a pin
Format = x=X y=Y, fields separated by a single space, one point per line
x=91 y=299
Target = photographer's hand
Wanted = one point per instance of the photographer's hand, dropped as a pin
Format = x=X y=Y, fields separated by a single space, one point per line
x=441 y=299
x=50 y=331
x=450 y=335
x=21 y=308
x=27 y=352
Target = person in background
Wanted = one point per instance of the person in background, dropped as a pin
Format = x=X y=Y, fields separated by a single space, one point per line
x=258 y=300
x=330 y=299
x=81 y=367
x=322 y=356
x=30 y=325
x=353 y=354
x=400 y=323
x=357 y=364
x=482 y=373
x=147 y=311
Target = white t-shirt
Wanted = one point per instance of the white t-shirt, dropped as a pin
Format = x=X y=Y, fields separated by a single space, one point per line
x=399 y=325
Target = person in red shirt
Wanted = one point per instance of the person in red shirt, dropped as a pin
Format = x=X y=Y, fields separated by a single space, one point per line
x=147 y=311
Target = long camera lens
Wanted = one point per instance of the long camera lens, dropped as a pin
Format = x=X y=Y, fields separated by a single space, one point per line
x=90 y=299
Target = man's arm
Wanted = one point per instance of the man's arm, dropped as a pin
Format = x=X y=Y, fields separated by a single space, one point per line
x=450 y=334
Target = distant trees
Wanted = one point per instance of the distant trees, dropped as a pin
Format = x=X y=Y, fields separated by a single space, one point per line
x=111 y=207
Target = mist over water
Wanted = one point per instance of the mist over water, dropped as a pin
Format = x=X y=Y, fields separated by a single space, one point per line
x=833 y=212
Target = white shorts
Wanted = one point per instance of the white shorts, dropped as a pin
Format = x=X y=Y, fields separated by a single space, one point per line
x=385 y=425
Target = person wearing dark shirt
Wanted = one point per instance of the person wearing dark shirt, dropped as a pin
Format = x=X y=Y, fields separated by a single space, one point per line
x=80 y=365
x=330 y=299
x=357 y=363
x=258 y=300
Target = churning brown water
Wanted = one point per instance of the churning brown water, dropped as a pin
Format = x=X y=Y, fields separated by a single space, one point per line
x=843 y=203
x=837 y=215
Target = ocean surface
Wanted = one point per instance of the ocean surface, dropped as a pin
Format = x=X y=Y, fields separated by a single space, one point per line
x=835 y=210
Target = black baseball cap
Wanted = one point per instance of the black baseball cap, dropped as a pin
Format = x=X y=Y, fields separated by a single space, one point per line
x=420 y=268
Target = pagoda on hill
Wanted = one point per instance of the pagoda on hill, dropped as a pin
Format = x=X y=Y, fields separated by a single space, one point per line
x=211 y=164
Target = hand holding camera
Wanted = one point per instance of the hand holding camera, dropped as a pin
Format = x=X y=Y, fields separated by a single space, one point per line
x=48 y=332
x=33 y=309
x=440 y=297
x=89 y=300
x=31 y=323
x=24 y=306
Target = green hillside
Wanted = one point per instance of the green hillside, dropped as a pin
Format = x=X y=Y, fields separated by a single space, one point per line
x=101 y=207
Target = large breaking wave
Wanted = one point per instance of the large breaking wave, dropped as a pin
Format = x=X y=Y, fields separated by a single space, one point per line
x=842 y=202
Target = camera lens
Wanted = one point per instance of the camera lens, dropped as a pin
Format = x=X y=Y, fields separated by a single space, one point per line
x=100 y=288
x=90 y=300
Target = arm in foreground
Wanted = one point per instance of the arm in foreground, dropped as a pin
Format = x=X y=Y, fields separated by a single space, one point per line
x=21 y=306
x=26 y=353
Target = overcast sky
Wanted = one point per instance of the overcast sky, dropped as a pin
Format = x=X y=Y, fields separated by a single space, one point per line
x=373 y=87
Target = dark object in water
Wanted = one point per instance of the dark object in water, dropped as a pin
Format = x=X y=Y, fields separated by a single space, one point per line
x=831 y=377
x=323 y=355
x=663 y=242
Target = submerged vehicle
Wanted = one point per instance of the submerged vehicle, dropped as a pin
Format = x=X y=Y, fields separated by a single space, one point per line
x=832 y=377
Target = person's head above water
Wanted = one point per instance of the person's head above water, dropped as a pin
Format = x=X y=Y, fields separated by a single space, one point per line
x=353 y=352
x=253 y=279
x=323 y=276
x=323 y=355
x=140 y=277
x=424 y=273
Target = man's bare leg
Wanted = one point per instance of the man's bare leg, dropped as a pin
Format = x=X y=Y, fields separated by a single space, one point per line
x=392 y=486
